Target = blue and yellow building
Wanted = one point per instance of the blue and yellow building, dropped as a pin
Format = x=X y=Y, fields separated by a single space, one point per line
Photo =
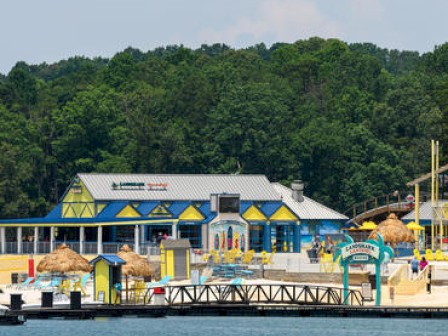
x=211 y=211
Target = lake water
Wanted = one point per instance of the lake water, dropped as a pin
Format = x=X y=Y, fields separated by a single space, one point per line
x=230 y=326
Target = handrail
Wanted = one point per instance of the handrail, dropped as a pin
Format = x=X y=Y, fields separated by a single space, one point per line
x=397 y=276
x=256 y=294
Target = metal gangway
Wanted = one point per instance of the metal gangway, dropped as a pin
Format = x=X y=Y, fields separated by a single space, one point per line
x=262 y=293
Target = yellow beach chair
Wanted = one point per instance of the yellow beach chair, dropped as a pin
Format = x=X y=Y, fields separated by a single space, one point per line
x=429 y=255
x=417 y=254
x=439 y=255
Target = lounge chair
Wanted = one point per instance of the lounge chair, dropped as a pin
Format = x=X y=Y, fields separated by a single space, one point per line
x=203 y=279
x=160 y=283
x=81 y=283
x=37 y=283
x=24 y=284
x=429 y=255
x=56 y=282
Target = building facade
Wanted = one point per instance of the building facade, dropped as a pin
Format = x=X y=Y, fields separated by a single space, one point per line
x=212 y=211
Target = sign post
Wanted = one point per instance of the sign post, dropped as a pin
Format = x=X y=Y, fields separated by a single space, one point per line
x=368 y=252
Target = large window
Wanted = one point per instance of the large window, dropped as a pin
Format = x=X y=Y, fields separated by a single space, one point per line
x=256 y=237
x=284 y=237
x=229 y=204
x=193 y=233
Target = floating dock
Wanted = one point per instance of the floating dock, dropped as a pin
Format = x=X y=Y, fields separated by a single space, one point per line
x=93 y=311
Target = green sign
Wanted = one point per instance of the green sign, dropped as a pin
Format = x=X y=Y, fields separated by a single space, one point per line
x=368 y=252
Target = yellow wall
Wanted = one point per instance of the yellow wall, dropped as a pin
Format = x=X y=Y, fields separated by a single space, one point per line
x=188 y=263
x=191 y=213
x=102 y=281
x=283 y=214
x=162 y=262
x=170 y=263
x=83 y=196
x=78 y=204
x=254 y=214
x=128 y=212
x=12 y=263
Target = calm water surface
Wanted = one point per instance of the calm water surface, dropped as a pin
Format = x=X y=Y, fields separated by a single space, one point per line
x=227 y=326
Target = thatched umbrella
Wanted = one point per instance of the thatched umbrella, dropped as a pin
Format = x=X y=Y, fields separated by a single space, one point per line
x=63 y=260
x=393 y=231
x=135 y=265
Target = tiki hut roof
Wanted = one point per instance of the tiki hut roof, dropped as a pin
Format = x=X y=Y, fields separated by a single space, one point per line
x=135 y=265
x=63 y=260
x=393 y=231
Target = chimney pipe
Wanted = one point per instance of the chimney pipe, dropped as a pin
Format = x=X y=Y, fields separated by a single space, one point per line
x=297 y=190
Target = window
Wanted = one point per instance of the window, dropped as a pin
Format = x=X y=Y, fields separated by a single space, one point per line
x=229 y=204
x=256 y=237
x=193 y=233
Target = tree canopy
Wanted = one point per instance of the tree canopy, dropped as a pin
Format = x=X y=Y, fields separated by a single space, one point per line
x=352 y=120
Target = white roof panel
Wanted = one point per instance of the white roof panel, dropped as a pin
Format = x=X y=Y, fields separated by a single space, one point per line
x=179 y=187
x=425 y=212
x=308 y=209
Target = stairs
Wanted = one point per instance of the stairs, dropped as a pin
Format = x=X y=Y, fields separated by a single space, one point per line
x=405 y=286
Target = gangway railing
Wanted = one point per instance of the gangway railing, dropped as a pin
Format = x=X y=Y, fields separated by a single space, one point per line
x=256 y=294
x=384 y=203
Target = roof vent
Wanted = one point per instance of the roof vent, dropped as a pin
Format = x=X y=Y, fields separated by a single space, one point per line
x=297 y=190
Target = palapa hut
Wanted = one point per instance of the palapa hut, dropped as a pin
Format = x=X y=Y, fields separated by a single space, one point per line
x=135 y=265
x=62 y=260
x=393 y=231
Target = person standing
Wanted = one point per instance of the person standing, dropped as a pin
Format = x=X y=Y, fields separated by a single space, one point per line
x=423 y=263
x=414 y=267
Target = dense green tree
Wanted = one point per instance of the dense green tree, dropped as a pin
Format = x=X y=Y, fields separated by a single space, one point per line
x=352 y=120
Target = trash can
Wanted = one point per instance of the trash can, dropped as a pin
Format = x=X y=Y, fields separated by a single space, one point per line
x=312 y=254
x=372 y=280
x=47 y=300
x=75 y=300
x=16 y=301
x=14 y=278
x=159 y=296
x=195 y=277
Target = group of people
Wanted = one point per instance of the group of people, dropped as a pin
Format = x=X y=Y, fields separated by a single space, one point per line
x=418 y=265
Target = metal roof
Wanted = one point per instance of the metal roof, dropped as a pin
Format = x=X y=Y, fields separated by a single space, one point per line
x=425 y=212
x=308 y=209
x=111 y=259
x=178 y=187
x=175 y=244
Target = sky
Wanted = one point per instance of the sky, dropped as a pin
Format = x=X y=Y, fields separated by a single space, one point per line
x=50 y=30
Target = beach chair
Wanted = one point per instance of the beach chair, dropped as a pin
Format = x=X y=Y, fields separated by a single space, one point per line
x=203 y=279
x=439 y=255
x=80 y=285
x=429 y=255
x=248 y=256
x=56 y=282
x=25 y=284
x=37 y=283
x=160 y=283
x=267 y=259
x=417 y=254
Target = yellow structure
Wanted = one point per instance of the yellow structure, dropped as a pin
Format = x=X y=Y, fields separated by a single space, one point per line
x=175 y=259
x=107 y=274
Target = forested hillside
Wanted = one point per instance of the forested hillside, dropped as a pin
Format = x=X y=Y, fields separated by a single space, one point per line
x=352 y=120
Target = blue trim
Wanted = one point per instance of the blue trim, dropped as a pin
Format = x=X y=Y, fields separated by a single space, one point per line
x=267 y=238
x=146 y=208
x=56 y=212
x=296 y=240
x=112 y=209
x=176 y=208
x=44 y=220
x=110 y=259
x=244 y=205
x=269 y=208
